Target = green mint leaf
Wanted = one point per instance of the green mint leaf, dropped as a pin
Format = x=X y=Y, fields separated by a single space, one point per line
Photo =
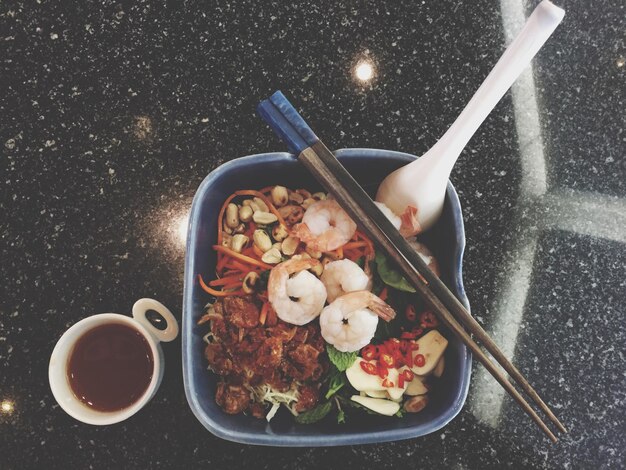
x=337 y=380
x=341 y=360
x=315 y=414
x=391 y=276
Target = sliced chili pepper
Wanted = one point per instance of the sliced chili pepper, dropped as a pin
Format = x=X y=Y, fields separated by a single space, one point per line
x=407 y=375
x=408 y=358
x=415 y=346
x=419 y=360
x=428 y=319
x=369 y=368
x=368 y=352
x=387 y=383
x=398 y=360
x=386 y=359
x=383 y=372
x=400 y=381
x=409 y=313
x=408 y=335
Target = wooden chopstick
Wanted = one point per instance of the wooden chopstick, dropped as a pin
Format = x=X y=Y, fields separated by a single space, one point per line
x=336 y=179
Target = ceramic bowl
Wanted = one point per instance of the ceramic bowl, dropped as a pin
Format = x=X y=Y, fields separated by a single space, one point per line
x=446 y=239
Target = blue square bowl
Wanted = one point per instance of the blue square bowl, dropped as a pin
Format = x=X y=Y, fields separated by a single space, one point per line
x=446 y=239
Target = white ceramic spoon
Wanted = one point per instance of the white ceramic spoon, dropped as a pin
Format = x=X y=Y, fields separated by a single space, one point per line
x=421 y=185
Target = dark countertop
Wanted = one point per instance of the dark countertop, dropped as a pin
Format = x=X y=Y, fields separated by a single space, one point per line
x=111 y=115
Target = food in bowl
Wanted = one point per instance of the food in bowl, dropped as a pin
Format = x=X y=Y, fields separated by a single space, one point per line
x=307 y=315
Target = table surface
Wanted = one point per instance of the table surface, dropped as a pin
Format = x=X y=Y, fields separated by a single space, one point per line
x=111 y=115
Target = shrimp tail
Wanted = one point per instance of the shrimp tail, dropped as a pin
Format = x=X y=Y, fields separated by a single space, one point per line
x=381 y=308
x=410 y=225
x=297 y=265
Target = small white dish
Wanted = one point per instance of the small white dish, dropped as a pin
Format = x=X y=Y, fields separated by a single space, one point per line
x=57 y=369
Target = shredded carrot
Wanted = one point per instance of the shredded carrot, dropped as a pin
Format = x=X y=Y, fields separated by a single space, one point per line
x=218 y=293
x=352 y=255
x=263 y=314
x=240 y=257
x=266 y=189
x=351 y=245
x=232 y=285
x=222 y=262
x=226 y=280
x=236 y=265
x=383 y=294
x=257 y=251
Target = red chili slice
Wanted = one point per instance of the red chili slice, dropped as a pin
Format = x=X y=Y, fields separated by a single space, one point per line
x=419 y=360
x=410 y=313
x=369 y=368
x=386 y=359
x=428 y=319
x=400 y=381
x=368 y=352
x=407 y=375
x=387 y=383
x=383 y=372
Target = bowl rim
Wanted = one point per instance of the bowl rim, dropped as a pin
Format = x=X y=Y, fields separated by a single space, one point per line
x=320 y=440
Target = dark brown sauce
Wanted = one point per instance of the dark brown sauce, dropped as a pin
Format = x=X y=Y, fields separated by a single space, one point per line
x=110 y=367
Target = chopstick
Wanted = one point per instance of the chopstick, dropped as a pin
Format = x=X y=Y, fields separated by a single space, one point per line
x=279 y=113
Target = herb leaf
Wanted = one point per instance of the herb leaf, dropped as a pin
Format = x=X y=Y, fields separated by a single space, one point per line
x=337 y=380
x=391 y=276
x=341 y=360
x=315 y=414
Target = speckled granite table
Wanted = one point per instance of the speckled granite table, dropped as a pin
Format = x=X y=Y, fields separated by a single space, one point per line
x=111 y=114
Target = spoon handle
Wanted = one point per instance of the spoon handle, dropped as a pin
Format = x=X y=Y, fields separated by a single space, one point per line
x=538 y=28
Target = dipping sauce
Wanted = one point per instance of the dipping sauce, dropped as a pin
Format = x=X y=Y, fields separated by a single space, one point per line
x=110 y=367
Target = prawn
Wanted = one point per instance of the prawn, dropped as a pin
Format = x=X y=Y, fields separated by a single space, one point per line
x=342 y=276
x=349 y=323
x=297 y=299
x=426 y=255
x=325 y=226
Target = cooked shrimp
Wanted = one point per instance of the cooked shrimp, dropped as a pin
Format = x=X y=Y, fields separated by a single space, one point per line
x=325 y=226
x=349 y=323
x=342 y=276
x=426 y=255
x=299 y=299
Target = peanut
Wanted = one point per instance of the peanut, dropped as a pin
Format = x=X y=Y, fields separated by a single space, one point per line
x=245 y=213
x=232 y=215
x=272 y=256
x=280 y=196
x=249 y=282
x=262 y=240
x=264 y=218
x=290 y=245
x=238 y=242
